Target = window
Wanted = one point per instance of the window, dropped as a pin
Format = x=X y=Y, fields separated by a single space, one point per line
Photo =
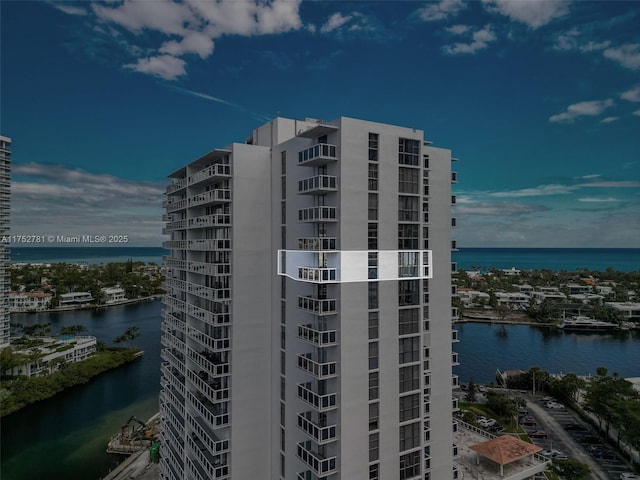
x=283 y=361
x=409 y=436
x=283 y=236
x=373 y=265
x=407 y=236
x=373 y=325
x=373 y=147
x=373 y=385
x=408 y=292
x=408 y=179
x=374 y=447
x=408 y=321
x=282 y=388
x=373 y=355
x=407 y=209
x=322 y=139
x=372 y=242
x=409 y=378
x=282 y=414
x=409 y=407
x=373 y=206
x=374 y=415
x=374 y=472
x=409 y=465
x=283 y=162
x=373 y=295
x=283 y=213
x=408 y=151
x=373 y=176
x=408 y=263
x=409 y=350
x=283 y=187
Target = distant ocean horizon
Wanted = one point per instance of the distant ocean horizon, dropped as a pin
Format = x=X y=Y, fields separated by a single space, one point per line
x=569 y=259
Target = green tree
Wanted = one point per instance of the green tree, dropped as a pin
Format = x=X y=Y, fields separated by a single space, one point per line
x=9 y=359
x=571 y=469
x=129 y=334
x=72 y=329
x=471 y=392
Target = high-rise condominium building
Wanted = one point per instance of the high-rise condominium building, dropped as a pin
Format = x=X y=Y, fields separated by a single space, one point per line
x=307 y=329
x=5 y=183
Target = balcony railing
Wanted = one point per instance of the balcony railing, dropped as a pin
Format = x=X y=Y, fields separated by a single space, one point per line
x=319 y=464
x=318 y=306
x=317 y=243
x=198 y=245
x=320 y=403
x=320 y=433
x=217 y=171
x=319 y=154
x=317 y=184
x=320 y=371
x=319 y=338
x=317 y=275
x=210 y=197
x=177 y=185
x=318 y=214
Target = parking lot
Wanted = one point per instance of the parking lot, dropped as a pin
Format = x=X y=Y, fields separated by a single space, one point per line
x=566 y=434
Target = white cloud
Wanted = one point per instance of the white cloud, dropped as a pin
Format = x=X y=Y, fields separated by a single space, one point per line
x=627 y=55
x=590 y=108
x=70 y=9
x=540 y=191
x=612 y=184
x=441 y=10
x=609 y=119
x=458 y=29
x=532 y=13
x=571 y=41
x=501 y=209
x=189 y=27
x=632 y=95
x=598 y=199
x=163 y=66
x=480 y=39
x=56 y=200
x=334 y=22
x=586 y=177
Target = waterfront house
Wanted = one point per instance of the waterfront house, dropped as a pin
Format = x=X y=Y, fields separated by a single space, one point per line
x=29 y=301
x=113 y=294
x=630 y=310
x=577 y=289
x=471 y=298
x=550 y=294
x=52 y=352
x=75 y=298
x=512 y=299
x=587 y=298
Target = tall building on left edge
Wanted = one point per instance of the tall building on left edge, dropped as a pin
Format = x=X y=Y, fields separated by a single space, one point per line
x=5 y=183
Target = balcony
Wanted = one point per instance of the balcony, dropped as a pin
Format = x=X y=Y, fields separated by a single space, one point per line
x=318 y=214
x=319 y=338
x=174 y=205
x=454 y=359
x=220 y=219
x=176 y=185
x=454 y=336
x=317 y=185
x=318 y=306
x=454 y=177
x=320 y=433
x=317 y=275
x=319 y=371
x=317 y=243
x=197 y=245
x=211 y=197
x=319 y=464
x=218 y=171
x=321 y=403
x=319 y=154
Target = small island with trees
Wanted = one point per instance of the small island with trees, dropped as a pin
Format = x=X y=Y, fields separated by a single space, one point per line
x=38 y=365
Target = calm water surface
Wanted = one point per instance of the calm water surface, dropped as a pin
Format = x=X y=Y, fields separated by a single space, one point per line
x=484 y=347
x=65 y=437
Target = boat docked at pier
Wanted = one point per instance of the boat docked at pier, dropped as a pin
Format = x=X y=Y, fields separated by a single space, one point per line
x=586 y=324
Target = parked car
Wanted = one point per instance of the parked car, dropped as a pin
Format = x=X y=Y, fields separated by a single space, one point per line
x=482 y=388
x=527 y=421
x=548 y=399
x=537 y=434
x=575 y=427
x=629 y=476
x=604 y=454
x=554 y=406
x=588 y=440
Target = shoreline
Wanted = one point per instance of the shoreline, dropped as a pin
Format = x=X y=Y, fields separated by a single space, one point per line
x=72 y=308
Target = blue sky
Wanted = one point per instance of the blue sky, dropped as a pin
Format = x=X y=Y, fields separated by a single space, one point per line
x=540 y=101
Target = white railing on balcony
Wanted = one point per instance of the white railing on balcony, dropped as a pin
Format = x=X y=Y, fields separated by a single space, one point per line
x=318 y=183
x=321 y=403
x=317 y=306
x=317 y=154
x=320 y=338
x=317 y=243
x=321 y=434
x=318 y=463
x=318 y=214
x=317 y=275
x=211 y=196
x=318 y=370
x=218 y=170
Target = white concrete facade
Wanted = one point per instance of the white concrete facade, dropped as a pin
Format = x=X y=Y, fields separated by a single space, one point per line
x=5 y=214
x=307 y=330
x=29 y=301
